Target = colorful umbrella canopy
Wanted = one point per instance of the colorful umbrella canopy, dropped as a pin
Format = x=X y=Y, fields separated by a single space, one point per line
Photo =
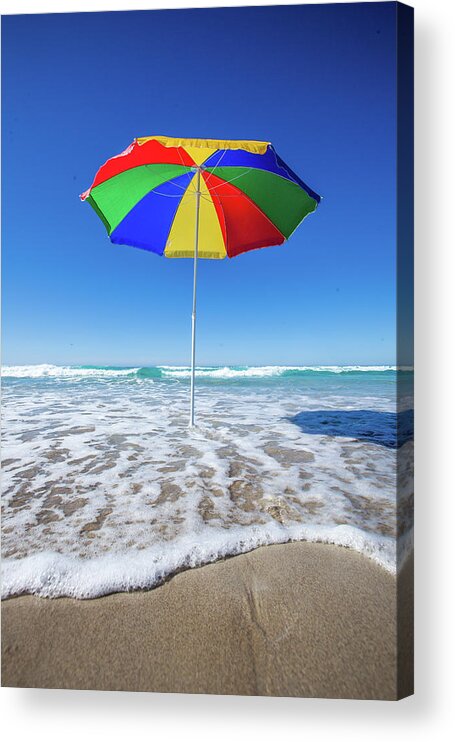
x=249 y=198
x=199 y=198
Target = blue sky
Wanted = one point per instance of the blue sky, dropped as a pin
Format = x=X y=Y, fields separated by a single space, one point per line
x=318 y=81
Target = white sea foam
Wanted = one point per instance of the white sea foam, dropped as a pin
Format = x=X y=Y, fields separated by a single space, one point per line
x=54 y=575
x=232 y=372
x=42 y=370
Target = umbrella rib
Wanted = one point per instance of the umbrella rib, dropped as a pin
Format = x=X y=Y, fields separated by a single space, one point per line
x=232 y=179
x=252 y=202
x=169 y=180
x=167 y=195
x=215 y=166
x=306 y=189
x=176 y=185
x=192 y=190
x=181 y=158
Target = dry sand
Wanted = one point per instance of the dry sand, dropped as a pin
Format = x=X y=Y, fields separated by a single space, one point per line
x=288 y=620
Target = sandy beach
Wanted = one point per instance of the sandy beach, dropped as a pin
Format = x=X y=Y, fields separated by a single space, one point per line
x=298 y=619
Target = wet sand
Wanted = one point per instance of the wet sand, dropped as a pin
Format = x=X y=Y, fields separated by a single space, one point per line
x=295 y=619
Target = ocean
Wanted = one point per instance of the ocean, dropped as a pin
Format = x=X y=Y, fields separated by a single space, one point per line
x=105 y=488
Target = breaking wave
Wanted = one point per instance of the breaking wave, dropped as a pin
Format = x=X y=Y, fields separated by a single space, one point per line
x=44 y=370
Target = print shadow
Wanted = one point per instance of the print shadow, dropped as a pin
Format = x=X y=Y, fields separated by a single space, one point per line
x=388 y=429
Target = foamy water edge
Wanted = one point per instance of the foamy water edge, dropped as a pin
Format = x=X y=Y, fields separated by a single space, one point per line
x=54 y=575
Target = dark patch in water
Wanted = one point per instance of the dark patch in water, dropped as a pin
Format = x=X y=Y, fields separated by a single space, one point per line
x=388 y=429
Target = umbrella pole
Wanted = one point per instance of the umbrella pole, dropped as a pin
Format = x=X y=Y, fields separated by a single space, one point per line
x=193 y=315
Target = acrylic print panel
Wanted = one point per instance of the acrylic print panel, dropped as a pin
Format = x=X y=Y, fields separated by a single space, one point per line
x=207 y=461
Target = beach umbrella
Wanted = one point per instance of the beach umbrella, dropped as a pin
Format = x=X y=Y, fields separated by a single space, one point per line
x=199 y=198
